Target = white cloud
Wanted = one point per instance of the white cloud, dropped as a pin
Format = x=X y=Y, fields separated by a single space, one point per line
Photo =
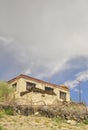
x=5 y=41
x=28 y=72
x=82 y=76
x=71 y=84
x=47 y=34
x=79 y=78
x=77 y=90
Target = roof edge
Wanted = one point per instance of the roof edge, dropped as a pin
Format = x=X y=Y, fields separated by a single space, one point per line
x=37 y=80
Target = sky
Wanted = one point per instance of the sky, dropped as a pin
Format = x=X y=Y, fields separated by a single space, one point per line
x=46 y=39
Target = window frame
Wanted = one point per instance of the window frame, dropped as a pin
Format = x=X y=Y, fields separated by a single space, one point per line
x=14 y=85
x=30 y=85
x=63 y=95
x=49 y=89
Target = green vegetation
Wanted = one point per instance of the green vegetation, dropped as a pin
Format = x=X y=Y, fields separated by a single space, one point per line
x=5 y=98
x=58 y=120
x=9 y=111
x=6 y=111
x=1 y=113
x=85 y=122
x=5 y=91
x=1 y=128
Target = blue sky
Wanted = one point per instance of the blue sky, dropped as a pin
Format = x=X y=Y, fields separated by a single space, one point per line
x=46 y=39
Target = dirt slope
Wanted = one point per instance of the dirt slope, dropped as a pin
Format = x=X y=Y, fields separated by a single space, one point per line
x=37 y=123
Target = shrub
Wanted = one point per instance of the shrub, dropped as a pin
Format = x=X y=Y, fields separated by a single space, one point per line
x=2 y=112
x=5 y=91
x=9 y=111
x=1 y=128
x=85 y=122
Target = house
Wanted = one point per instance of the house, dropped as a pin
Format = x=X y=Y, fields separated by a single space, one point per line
x=29 y=90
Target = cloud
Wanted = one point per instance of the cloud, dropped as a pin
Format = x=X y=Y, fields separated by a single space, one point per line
x=77 y=90
x=71 y=84
x=5 y=41
x=80 y=77
x=43 y=36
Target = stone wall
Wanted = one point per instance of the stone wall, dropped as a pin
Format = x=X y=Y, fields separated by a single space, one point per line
x=34 y=97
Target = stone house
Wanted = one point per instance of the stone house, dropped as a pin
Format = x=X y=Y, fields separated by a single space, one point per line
x=29 y=90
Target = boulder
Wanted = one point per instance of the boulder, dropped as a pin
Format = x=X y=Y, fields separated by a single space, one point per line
x=72 y=122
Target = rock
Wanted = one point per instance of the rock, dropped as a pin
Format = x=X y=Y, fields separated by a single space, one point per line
x=72 y=122
x=36 y=113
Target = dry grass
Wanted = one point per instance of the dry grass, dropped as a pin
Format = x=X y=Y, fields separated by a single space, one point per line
x=37 y=123
x=59 y=114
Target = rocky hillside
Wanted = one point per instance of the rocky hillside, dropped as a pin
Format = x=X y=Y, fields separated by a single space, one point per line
x=20 y=122
x=59 y=116
x=63 y=110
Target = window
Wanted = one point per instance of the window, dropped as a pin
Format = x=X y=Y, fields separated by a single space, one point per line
x=63 y=95
x=30 y=85
x=48 y=89
x=14 y=86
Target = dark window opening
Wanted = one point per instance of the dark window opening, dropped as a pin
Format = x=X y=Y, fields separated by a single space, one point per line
x=48 y=89
x=30 y=85
x=14 y=86
x=63 y=95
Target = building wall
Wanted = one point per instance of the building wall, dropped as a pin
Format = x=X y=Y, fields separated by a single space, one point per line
x=57 y=91
x=35 y=98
